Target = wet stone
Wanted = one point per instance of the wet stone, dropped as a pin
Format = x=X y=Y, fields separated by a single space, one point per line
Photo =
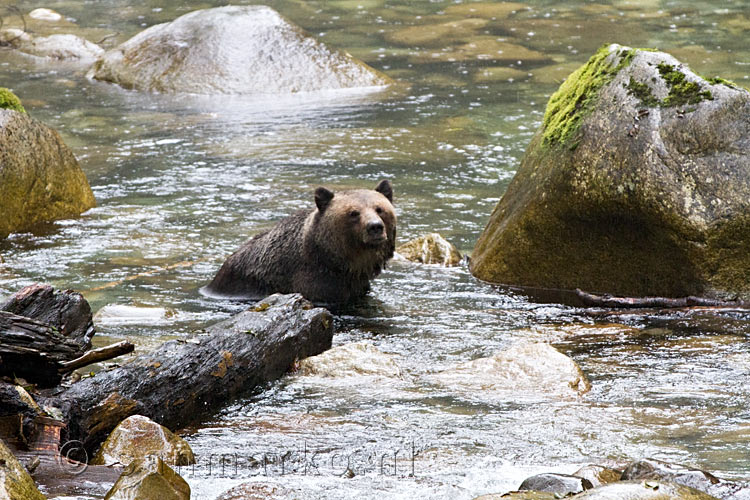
x=437 y=35
x=356 y=359
x=560 y=485
x=644 y=490
x=149 y=479
x=430 y=249
x=598 y=475
x=138 y=437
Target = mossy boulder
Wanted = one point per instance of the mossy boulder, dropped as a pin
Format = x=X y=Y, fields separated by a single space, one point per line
x=40 y=179
x=137 y=437
x=231 y=50
x=637 y=183
x=15 y=482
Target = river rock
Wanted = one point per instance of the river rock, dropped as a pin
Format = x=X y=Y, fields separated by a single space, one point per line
x=523 y=370
x=62 y=46
x=66 y=310
x=40 y=179
x=437 y=35
x=15 y=482
x=644 y=490
x=598 y=475
x=519 y=495
x=561 y=485
x=137 y=437
x=43 y=14
x=649 y=469
x=636 y=184
x=149 y=479
x=430 y=249
x=231 y=50
x=257 y=491
x=356 y=359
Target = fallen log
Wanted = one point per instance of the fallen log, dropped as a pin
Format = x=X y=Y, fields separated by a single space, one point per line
x=65 y=310
x=183 y=382
x=592 y=300
x=97 y=356
x=33 y=350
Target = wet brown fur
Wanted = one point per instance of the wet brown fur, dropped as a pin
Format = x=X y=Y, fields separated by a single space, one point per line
x=329 y=255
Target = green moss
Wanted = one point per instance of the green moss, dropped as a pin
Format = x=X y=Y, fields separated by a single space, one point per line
x=642 y=92
x=573 y=100
x=717 y=80
x=8 y=100
x=681 y=91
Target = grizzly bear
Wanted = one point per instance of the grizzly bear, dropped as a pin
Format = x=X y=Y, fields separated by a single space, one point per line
x=329 y=254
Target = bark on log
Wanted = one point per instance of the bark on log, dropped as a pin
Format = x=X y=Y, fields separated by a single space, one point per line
x=33 y=350
x=591 y=300
x=65 y=310
x=184 y=381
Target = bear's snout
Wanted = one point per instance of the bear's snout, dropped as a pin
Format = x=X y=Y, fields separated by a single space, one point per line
x=375 y=231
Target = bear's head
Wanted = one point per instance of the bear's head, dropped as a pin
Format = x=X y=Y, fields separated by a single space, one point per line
x=358 y=227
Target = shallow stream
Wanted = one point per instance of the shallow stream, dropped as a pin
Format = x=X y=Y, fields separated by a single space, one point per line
x=181 y=182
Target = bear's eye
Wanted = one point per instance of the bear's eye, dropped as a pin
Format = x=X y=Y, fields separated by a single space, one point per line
x=354 y=213
x=379 y=210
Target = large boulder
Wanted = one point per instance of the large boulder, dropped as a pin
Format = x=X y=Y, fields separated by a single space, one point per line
x=148 y=479
x=637 y=183
x=40 y=179
x=137 y=437
x=231 y=50
x=15 y=482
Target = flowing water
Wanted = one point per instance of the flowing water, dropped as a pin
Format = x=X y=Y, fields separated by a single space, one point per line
x=182 y=181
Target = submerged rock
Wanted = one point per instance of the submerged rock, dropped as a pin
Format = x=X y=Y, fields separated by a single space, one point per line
x=643 y=490
x=149 y=478
x=523 y=370
x=561 y=485
x=137 y=437
x=359 y=358
x=40 y=179
x=637 y=184
x=430 y=249
x=15 y=482
x=231 y=50
x=257 y=491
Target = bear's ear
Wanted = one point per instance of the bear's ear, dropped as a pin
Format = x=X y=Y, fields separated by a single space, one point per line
x=384 y=188
x=323 y=197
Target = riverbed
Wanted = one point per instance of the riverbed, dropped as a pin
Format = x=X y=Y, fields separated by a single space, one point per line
x=181 y=182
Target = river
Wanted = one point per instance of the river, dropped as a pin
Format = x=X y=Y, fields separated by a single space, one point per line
x=182 y=181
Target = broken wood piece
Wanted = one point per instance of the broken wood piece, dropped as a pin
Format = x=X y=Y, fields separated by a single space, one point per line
x=98 y=355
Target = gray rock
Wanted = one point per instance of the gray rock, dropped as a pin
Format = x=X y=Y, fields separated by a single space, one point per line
x=231 y=50
x=598 y=475
x=560 y=485
x=63 y=47
x=637 y=184
x=40 y=179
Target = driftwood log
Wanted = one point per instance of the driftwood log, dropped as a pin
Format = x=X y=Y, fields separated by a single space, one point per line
x=33 y=350
x=592 y=300
x=182 y=382
x=65 y=310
